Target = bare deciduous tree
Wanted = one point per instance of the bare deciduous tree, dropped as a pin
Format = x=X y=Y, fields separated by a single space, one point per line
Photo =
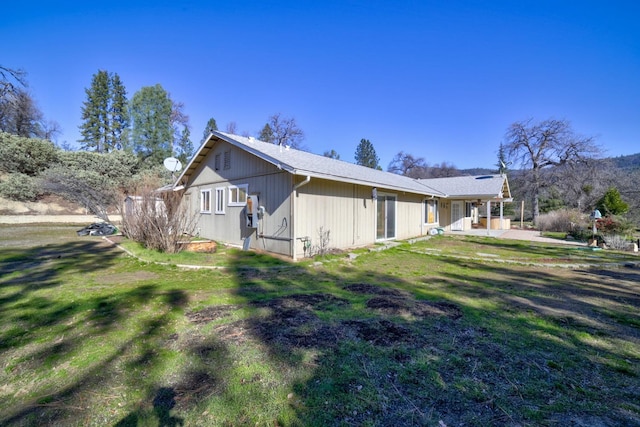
x=285 y=131
x=415 y=167
x=443 y=170
x=536 y=146
x=408 y=165
x=86 y=188
x=11 y=79
x=232 y=128
x=19 y=112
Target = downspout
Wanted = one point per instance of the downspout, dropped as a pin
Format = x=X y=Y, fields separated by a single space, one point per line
x=294 y=194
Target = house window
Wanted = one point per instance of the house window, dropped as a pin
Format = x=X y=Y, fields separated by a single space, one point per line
x=468 y=209
x=431 y=211
x=227 y=160
x=220 y=200
x=238 y=195
x=205 y=201
x=217 y=162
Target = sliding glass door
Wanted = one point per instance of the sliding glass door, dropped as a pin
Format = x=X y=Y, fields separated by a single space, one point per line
x=386 y=217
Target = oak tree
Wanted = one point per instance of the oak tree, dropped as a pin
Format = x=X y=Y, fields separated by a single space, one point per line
x=536 y=146
x=408 y=165
x=281 y=130
x=19 y=113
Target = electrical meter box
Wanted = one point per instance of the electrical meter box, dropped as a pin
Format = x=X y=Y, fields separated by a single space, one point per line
x=251 y=211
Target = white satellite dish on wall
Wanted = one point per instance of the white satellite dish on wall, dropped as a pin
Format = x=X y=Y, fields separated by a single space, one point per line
x=172 y=164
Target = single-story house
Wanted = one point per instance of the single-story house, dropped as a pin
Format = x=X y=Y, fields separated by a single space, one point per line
x=274 y=198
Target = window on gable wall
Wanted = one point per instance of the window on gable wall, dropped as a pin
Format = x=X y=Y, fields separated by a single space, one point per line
x=220 y=200
x=205 y=201
x=238 y=194
x=217 y=162
x=431 y=211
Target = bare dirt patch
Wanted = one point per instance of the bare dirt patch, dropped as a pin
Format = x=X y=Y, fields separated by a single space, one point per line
x=211 y=313
x=369 y=289
x=293 y=321
x=395 y=302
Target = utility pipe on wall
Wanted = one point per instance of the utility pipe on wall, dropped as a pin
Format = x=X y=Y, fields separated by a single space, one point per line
x=292 y=205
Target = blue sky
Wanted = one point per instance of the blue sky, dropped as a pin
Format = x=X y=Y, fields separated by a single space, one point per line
x=438 y=79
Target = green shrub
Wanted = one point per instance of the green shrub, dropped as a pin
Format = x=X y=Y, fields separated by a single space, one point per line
x=612 y=204
x=612 y=224
x=20 y=187
x=29 y=156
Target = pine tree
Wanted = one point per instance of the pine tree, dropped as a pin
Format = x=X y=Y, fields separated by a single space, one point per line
x=184 y=147
x=333 y=154
x=95 y=127
x=119 y=114
x=266 y=134
x=210 y=127
x=104 y=114
x=366 y=155
x=612 y=204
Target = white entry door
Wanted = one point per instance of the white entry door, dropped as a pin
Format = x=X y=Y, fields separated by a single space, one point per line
x=457 y=223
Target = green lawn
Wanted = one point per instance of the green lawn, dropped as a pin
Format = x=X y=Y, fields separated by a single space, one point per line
x=448 y=331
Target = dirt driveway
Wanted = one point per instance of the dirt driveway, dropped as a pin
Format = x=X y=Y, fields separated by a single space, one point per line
x=516 y=234
x=53 y=219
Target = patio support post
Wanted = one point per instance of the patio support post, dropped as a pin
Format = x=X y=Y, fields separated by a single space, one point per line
x=488 y=217
x=501 y=215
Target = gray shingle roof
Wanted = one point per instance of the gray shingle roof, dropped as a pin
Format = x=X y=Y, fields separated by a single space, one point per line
x=304 y=163
x=483 y=186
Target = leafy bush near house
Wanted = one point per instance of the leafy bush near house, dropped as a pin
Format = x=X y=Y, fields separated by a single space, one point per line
x=20 y=187
x=612 y=224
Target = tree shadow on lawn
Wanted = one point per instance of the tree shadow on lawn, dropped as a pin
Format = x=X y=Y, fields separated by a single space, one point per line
x=375 y=349
x=384 y=357
x=25 y=272
x=42 y=333
x=579 y=328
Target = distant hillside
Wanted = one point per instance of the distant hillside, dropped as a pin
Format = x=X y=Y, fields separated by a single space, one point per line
x=478 y=171
x=630 y=162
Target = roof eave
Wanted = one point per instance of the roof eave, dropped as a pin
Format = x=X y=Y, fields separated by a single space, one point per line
x=362 y=182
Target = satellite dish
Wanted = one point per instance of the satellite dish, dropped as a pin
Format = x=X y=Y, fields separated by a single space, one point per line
x=172 y=164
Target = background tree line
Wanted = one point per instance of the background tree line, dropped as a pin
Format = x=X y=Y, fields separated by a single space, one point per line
x=122 y=146
x=549 y=165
